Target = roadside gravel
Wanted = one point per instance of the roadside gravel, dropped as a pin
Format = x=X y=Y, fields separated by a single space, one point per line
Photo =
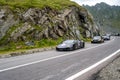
x=110 y=72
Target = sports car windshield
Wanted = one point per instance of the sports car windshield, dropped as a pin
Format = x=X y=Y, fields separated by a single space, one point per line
x=96 y=37
x=68 y=41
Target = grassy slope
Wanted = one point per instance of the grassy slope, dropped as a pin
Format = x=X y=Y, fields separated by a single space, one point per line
x=25 y=4
x=56 y=4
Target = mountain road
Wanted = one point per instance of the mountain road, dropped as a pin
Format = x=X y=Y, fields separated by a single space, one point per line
x=55 y=65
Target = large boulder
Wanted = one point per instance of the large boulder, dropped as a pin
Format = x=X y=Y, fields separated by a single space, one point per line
x=7 y=20
x=36 y=24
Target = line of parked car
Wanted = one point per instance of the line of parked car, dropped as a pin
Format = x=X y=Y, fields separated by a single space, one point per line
x=77 y=44
x=100 y=39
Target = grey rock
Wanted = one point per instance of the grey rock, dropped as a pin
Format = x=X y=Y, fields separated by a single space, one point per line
x=30 y=43
x=47 y=23
x=6 y=21
x=19 y=31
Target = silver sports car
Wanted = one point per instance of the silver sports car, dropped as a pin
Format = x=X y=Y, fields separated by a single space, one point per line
x=70 y=45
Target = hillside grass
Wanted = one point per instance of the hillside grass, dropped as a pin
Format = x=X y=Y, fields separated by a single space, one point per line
x=26 y=4
x=55 y=4
x=21 y=46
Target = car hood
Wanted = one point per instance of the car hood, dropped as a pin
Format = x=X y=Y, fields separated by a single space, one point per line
x=105 y=36
x=96 y=39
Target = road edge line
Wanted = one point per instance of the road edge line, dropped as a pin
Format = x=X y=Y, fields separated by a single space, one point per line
x=35 y=62
x=93 y=66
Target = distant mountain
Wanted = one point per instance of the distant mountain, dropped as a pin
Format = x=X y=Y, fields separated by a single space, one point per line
x=106 y=16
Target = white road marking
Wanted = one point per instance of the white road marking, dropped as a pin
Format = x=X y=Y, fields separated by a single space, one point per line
x=92 y=67
x=35 y=62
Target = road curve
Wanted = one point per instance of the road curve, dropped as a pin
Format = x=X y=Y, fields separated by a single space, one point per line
x=53 y=65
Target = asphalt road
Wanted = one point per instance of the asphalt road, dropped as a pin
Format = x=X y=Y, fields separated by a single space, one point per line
x=54 y=65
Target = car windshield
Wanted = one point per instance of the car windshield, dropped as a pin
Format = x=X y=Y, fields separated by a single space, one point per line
x=68 y=41
x=97 y=37
x=104 y=36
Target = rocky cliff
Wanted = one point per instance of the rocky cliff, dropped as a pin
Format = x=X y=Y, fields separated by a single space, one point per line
x=46 y=23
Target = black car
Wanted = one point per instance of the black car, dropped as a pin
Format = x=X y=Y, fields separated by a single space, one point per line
x=117 y=34
x=97 y=39
x=70 y=45
x=106 y=37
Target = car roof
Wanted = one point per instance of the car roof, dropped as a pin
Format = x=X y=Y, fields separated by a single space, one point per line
x=97 y=36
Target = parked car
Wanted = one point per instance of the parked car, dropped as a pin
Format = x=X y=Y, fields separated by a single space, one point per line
x=97 y=39
x=109 y=34
x=117 y=34
x=70 y=45
x=106 y=37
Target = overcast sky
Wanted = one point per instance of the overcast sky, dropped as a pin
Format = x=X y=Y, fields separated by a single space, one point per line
x=93 y=2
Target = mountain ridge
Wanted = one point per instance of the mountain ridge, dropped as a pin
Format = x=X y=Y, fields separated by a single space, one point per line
x=106 y=16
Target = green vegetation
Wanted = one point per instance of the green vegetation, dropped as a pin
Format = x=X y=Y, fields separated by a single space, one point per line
x=55 y=4
x=21 y=46
x=11 y=46
x=106 y=16
x=38 y=27
x=48 y=42
x=87 y=39
x=5 y=38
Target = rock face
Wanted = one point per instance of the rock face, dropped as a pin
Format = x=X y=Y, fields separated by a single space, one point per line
x=7 y=20
x=36 y=24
